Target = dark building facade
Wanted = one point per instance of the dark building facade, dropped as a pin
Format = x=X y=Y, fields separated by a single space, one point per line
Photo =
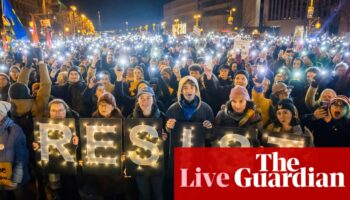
x=284 y=15
x=214 y=13
x=281 y=16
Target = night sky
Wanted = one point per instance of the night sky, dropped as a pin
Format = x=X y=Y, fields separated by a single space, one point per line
x=114 y=13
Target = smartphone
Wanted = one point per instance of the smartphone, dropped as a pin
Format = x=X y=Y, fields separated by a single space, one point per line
x=324 y=106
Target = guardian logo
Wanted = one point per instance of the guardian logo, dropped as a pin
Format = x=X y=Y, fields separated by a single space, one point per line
x=274 y=172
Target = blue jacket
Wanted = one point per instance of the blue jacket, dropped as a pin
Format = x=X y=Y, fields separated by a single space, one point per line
x=15 y=151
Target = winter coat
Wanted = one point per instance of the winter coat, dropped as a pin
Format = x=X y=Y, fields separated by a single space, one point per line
x=177 y=111
x=335 y=133
x=42 y=98
x=4 y=93
x=278 y=129
x=298 y=94
x=250 y=118
x=72 y=94
x=15 y=150
x=263 y=104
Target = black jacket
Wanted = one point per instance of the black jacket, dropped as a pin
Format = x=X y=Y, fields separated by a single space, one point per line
x=228 y=117
x=336 y=133
x=72 y=94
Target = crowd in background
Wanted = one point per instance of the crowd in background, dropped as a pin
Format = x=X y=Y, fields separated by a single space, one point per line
x=278 y=84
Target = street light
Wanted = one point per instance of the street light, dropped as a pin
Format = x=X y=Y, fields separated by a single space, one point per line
x=163 y=24
x=74 y=9
x=318 y=24
x=197 y=17
x=230 y=18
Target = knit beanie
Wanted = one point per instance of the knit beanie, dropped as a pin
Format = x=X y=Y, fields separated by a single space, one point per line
x=239 y=91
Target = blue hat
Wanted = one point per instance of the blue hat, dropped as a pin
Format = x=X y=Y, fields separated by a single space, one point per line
x=145 y=90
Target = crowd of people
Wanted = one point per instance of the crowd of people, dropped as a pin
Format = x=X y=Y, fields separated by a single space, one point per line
x=282 y=85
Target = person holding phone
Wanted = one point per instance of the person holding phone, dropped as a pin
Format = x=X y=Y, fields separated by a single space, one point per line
x=330 y=123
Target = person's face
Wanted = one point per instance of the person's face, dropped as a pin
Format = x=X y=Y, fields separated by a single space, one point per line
x=284 y=116
x=341 y=71
x=166 y=62
x=338 y=110
x=8 y=61
x=296 y=64
x=105 y=109
x=133 y=60
x=279 y=77
x=189 y=92
x=109 y=58
x=60 y=79
x=310 y=76
x=337 y=58
x=307 y=61
x=145 y=101
x=165 y=76
x=144 y=59
x=241 y=80
x=239 y=103
x=327 y=96
x=105 y=79
x=100 y=90
x=14 y=74
x=224 y=74
x=189 y=62
x=263 y=55
x=265 y=85
x=73 y=77
x=137 y=74
x=283 y=94
x=3 y=82
x=57 y=111
x=234 y=67
x=195 y=74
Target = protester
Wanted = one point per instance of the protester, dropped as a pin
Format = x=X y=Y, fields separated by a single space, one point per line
x=330 y=125
x=16 y=154
x=146 y=107
x=60 y=186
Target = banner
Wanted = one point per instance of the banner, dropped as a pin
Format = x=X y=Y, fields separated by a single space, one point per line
x=5 y=173
x=242 y=46
x=57 y=154
x=263 y=173
x=143 y=146
x=197 y=31
x=270 y=139
x=101 y=142
x=235 y=137
x=187 y=134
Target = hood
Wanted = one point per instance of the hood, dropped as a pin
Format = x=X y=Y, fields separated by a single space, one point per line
x=20 y=107
x=7 y=122
x=181 y=84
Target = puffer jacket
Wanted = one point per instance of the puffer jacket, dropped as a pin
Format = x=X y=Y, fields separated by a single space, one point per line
x=15 y=150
